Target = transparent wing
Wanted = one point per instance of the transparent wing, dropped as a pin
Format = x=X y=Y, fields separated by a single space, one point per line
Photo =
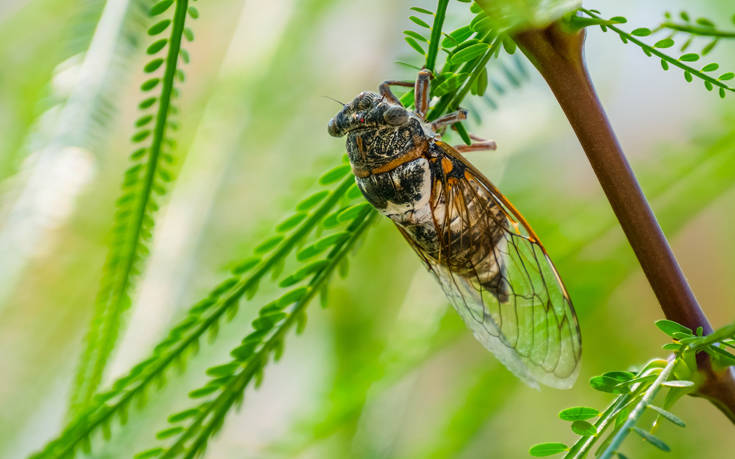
x=500 y=279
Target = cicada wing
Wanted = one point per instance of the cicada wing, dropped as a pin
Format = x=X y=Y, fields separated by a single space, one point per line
x=500 y=280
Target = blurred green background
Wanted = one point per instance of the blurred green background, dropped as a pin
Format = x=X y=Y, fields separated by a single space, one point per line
x=387 y=370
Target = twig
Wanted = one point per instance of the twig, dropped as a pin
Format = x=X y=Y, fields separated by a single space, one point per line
x=698 y=30
x=557 y=54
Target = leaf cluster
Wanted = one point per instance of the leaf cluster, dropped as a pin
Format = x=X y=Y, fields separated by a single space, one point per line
x=635 y=393
x=468 y=50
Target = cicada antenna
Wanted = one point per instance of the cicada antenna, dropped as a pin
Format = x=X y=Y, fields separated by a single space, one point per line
x=332 y=98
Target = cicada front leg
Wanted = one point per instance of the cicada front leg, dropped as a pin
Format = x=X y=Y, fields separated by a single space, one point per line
x=421 y=93
x=420 y=87
x=384 y=90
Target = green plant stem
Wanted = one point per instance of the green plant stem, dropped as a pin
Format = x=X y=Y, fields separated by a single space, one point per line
x=436 y=34
x=234 y=390
x=105 y=342
x=698 y=30
x=558 y=55
x=639 y=409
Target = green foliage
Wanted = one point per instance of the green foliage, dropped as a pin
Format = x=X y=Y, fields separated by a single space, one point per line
x=249 y=359
x=144 y=184
x=579 y=413
x=516 y=15
x=682 y=62
x=468 y=48
x=230 y=380
x=315 y=239
x=205 y=316
x=637 y=392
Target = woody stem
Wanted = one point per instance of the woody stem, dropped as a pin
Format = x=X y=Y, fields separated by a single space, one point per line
x=558 y=55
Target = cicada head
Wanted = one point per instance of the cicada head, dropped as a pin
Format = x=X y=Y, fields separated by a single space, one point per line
x=367 y=111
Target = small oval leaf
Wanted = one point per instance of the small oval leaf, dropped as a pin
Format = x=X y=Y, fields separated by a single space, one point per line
x=547 y=449
x=641 y=32
x=160 y=7
x=469 y=53
x=652 y=439
x=203 y=391
x=414 y=44
x=290 y=222
x=419 y=22
x=676 y=383
x=156 y=46
x=310 y=201
x=670 y=327
x=335 y=174
x=578 y=413
x=689 y=57
x=583 y=428
x=159 y=27
x=668 y=415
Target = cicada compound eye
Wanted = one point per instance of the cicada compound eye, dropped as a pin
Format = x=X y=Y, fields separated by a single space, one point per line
x=396 y=116
x=333 y=128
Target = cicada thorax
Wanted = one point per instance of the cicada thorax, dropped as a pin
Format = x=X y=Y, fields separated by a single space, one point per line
x=391 y=167
x=407 y=177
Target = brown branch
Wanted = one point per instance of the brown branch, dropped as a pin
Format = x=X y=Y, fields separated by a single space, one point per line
x=557 y=53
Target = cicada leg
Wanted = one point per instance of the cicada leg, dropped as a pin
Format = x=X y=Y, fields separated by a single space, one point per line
x=449 y=119
x=421 y=90
x=479 y=144
x=384 y=90
x=421 y=93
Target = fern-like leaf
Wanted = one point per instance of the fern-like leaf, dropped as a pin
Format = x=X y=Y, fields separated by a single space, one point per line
x=229 y=381
x=699 y=27
x=204 y=316
x=683 y=62
x=143 y=184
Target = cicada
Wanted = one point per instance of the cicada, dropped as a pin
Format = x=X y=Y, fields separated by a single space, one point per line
x=489 y=262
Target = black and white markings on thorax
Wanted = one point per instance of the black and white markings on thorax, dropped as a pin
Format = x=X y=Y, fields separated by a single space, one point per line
x=402 y=191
